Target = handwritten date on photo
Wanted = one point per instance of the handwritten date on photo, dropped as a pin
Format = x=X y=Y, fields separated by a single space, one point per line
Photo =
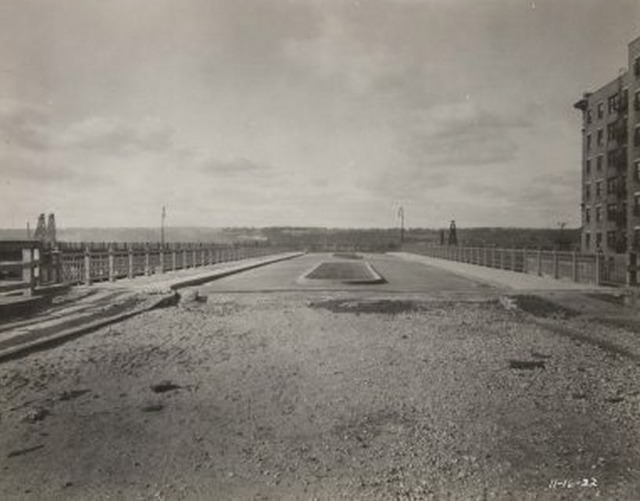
x=570 y=484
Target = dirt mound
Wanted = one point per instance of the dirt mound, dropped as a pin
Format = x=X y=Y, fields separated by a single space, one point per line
x=541 y=307
x=384 y=306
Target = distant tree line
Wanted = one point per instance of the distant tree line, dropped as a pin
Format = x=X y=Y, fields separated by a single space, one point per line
x=327 y=239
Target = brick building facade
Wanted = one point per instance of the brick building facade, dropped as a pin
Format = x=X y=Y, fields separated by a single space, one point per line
x=611 y=162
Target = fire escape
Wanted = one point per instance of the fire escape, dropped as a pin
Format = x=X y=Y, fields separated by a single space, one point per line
x=619 y=155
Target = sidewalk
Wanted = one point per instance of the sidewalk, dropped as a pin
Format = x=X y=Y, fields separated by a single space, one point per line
x=87 y=308
x=502 y=278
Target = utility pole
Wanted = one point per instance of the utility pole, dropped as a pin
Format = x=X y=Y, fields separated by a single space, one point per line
x=163 y=217
x=401 y=216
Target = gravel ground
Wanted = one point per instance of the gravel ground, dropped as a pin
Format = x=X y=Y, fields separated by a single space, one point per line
x=318 y=396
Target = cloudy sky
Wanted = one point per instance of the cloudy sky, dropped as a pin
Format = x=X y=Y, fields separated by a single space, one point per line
x=294 y=112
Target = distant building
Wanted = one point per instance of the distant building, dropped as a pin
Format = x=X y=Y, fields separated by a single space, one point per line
x=611 y=162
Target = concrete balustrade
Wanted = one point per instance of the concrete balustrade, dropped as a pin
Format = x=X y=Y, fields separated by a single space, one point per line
x=28 y=264
x=621 y=269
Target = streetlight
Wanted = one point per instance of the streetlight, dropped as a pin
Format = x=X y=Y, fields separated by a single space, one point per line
x=162 y=219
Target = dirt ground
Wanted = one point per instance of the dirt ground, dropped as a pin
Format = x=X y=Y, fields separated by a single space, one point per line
x=326 y=396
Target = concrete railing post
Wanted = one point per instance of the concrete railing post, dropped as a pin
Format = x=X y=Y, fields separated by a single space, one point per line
x=28 y=273
x=56 y=265
x=574 y=266
x=112 y=263
x=632 y=273
x=598 y=270
x=556 y=265
x=130 y=271
x=161 y=259
x=194 y=254
x=513 y=260
x=501 y=252
x=174 y=258
x=539 y=262
x=147 y=260
x=87 y=266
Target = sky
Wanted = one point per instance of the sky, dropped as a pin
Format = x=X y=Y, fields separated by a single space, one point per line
x=302 y=113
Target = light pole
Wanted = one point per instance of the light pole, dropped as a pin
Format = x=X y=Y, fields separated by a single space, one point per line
x=162 y=219
x=401 y=216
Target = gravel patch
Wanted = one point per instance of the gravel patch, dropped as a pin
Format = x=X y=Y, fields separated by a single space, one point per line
x=301 y=397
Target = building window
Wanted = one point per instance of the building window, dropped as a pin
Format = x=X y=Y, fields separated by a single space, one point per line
x=589 y=116
x=598 y=240
x=587 y=241
x=636 y=170
x=636 y=136
x=611 y=159
x=587 y=167
x=611 y=185
x=636 y=101
x=600 y=140
x=600 y=111
x=612 y=210
x=589 y=142
x=598 y=214
x=636 y=205
x=587 y=215
x=624 y=103
x=587 y=192
x=611 y=239
x=636 y=67
x=612 y=103
x=599 y=160
x=622 y=132
x=611 y=132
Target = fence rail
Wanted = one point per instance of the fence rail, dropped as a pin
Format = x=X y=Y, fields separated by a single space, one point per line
x=598 y=269
x=86 y=263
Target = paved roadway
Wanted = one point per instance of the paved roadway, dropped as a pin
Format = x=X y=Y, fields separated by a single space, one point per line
x=400 y=276
x=441 y=393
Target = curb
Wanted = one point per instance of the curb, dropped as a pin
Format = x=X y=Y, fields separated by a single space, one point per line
x=376 y=278
x=224 y=273
x=169 y=298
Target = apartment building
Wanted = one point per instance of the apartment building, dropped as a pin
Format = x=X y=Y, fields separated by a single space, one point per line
x=611 y=162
